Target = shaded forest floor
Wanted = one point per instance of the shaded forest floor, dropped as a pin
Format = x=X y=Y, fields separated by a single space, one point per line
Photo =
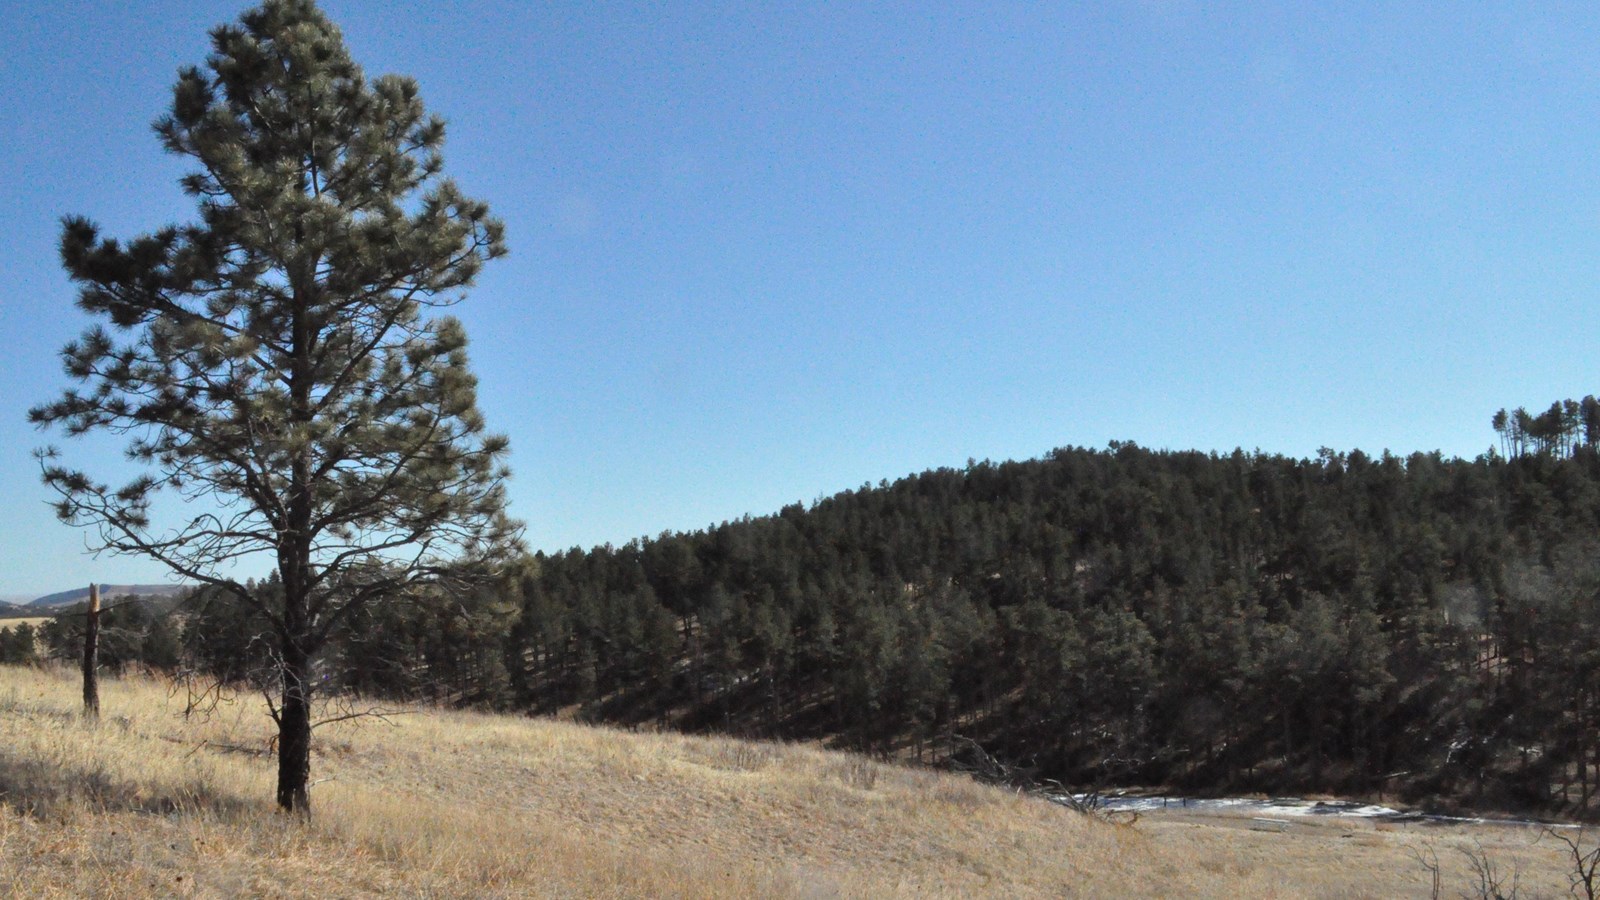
x=436 y=803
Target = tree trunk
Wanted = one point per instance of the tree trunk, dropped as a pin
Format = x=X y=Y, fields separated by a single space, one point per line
x=294 y=551
x=1583 y=777
x=294 y=709
x=91 y=655
x=294 y=734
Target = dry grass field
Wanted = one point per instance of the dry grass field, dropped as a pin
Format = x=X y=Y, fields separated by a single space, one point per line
x=34 y=621
x=450 y=804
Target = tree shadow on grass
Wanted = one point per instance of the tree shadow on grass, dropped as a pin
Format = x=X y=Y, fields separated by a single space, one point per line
x=40 y=790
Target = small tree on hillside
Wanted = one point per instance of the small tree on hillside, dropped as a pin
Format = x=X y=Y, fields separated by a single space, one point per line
x=273 y=364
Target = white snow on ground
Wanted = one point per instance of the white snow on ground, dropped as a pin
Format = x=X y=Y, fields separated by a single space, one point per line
x=1281 y=806
x=1284 y=807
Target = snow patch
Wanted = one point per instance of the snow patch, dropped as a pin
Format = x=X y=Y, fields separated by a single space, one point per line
x=1280 y=807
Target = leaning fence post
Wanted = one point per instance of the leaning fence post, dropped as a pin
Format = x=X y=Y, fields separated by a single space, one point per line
x=91 y=656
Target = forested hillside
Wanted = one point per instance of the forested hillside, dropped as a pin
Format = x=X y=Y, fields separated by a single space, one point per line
x=1418 y=625
x=1127 y=616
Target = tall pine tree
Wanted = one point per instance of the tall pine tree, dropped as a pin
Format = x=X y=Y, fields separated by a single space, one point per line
x=275 y=364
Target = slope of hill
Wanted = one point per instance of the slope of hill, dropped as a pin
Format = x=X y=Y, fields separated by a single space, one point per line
x=1220 y=622
x=1215 y=624
x=78 y=595
x=155 y=803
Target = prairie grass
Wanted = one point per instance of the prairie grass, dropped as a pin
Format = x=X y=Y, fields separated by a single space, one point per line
x=30 y=621
x=438 y=803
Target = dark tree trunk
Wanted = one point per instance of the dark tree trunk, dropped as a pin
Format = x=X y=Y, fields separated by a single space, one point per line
x=294 y=565
x=294 y=734
x=294 y=712
x=91 y=655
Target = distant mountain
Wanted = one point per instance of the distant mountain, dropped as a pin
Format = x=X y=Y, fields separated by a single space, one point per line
x=107 y=591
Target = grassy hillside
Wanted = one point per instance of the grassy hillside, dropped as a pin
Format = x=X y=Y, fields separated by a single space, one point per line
x=150 y=803
x=30 y=621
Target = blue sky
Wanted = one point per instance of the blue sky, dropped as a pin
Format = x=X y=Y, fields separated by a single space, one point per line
x=762 y=252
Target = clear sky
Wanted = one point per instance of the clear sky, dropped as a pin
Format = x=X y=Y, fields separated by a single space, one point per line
x=765 y=252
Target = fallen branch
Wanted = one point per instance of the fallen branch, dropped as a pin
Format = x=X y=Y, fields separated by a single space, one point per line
x=214 y=745
x=987 y=768
x=382 y=715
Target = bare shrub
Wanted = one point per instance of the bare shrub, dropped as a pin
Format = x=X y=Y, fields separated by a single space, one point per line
x=1584 y=873
x=1489 y=877
x=1428 y=858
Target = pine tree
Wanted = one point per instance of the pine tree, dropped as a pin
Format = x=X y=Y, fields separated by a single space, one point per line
x=274 y=363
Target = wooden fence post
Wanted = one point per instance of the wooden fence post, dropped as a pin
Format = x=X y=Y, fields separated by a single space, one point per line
x=91 y=656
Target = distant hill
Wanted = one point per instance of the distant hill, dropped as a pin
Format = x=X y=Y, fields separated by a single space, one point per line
x=66 y=598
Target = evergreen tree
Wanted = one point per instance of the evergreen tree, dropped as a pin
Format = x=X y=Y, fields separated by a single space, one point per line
x=275 y=363
x=228 y=639
x=17 y=644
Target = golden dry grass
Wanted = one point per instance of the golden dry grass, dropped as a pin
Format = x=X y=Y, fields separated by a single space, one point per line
x=34 y=621
x=448 y=804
